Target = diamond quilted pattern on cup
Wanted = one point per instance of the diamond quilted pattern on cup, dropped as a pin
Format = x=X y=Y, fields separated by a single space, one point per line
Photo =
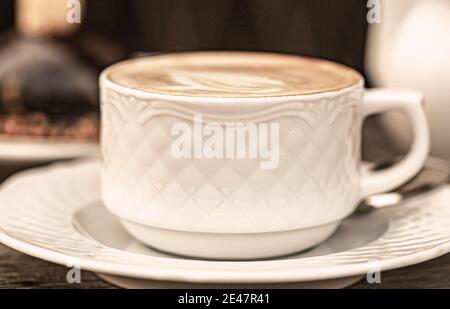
x=209 y=167
x=278 y=193
x=191 y=179
x=296 y=178
x=226 y=180
x=296 y=138
x=244 y=197
x=159 y=175
x=144 y=188
x=209 y=195
x=315 y=180
x=173 y=166
x=159 y=137
x=244 y=167
x=262 y=180
x=175 y=193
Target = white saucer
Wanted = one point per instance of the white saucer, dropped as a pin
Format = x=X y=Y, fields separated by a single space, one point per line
x=32 y=151
x=54 y=213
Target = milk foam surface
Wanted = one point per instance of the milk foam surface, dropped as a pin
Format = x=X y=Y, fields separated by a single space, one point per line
x=232 y=74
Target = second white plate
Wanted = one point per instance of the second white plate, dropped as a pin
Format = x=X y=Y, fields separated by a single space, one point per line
x=32 y=151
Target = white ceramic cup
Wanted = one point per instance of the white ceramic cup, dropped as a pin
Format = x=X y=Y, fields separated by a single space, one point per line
x=230 y=208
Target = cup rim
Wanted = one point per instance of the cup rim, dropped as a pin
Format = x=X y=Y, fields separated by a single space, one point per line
x=106 y=82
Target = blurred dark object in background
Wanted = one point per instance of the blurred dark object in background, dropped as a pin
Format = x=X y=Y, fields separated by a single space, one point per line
x=48 y=74
x=45 y=88
x=40 y=75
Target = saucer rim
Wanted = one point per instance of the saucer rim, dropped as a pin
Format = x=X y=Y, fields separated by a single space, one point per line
x=205 y=276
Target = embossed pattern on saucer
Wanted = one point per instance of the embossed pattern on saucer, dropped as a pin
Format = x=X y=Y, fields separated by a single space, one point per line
x=40 y=210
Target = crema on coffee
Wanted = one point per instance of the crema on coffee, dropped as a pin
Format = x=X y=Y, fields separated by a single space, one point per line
x=232 y=75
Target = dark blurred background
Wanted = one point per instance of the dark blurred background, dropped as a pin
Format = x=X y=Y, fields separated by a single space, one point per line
x=323 y=28
x=328 y=29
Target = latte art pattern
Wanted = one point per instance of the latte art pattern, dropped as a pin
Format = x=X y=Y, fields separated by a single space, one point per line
x=223 y=81
x=232 y=74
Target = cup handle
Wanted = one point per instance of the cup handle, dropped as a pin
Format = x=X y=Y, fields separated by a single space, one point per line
x=409 y=103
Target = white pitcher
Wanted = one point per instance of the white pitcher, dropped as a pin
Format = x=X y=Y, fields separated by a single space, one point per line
x=410 y=48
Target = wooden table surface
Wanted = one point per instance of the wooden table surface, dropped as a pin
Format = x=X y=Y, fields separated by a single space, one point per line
x=18 y=270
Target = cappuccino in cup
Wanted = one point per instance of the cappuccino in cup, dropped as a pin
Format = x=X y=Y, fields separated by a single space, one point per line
x=234 y=75
x=242 y=155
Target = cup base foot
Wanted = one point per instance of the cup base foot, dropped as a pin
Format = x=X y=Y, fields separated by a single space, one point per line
x=230 y=246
